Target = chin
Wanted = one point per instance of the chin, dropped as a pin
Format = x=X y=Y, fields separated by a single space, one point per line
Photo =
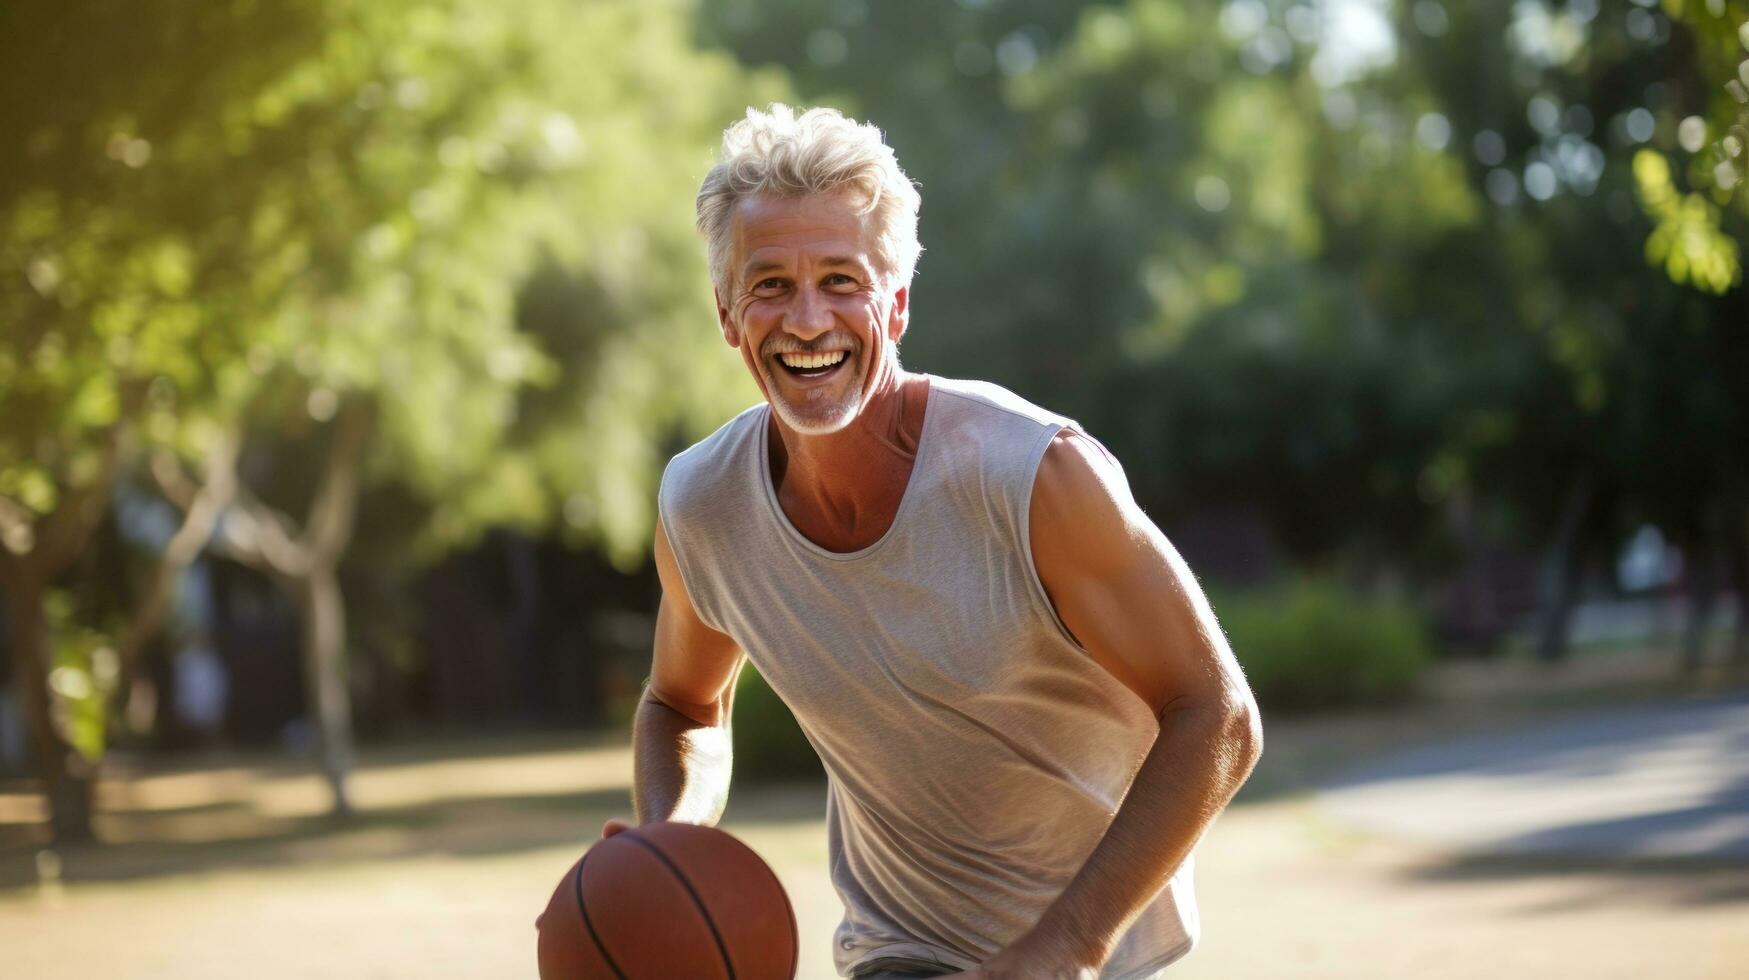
x=820 y=416
x=816 y=422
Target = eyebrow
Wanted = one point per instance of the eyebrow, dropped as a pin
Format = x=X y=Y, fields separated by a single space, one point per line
x=830 y=260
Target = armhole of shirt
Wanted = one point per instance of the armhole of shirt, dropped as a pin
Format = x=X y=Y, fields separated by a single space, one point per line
x=1041 y=598
x=675 y=548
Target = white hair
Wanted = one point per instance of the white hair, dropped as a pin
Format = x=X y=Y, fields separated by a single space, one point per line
x=776 y=152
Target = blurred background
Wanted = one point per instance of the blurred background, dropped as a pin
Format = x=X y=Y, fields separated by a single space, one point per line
x=345 y=342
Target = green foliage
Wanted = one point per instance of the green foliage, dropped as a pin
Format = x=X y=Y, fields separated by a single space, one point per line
x=1314 y=647
x=1310 y=647
x=82 y=677
x=769 y=745
x=253 y=213
x=250 y=219
x=1686 y=239
x=1696 y=234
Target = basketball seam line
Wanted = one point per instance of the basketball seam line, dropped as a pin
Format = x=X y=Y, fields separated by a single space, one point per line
x=722 y=949
x=590 y=925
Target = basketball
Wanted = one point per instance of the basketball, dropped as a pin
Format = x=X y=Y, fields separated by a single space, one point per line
x=665 y=901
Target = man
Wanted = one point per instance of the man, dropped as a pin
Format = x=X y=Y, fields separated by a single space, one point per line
x=1025 y=707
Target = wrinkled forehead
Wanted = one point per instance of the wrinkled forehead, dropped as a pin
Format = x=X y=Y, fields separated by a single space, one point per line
x=767 y=227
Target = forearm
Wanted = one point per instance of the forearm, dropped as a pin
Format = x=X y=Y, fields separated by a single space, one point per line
x=680 y=767
x=1197 y=763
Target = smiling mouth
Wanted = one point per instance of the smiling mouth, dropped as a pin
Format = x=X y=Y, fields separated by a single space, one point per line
x=811 y=365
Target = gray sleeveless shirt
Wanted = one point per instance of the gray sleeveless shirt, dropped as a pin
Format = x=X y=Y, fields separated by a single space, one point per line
x=975 y=753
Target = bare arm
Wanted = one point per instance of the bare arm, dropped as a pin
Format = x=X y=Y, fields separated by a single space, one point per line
x=1131 y=602
x=680 y=737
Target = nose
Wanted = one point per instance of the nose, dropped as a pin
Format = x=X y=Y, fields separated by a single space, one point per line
x=809 y=316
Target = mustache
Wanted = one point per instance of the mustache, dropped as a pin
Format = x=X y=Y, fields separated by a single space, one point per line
x=785 y=344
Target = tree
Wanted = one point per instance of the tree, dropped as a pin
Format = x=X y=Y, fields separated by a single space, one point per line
x=1392 y=297
x=1697 y=233
x=267 y=223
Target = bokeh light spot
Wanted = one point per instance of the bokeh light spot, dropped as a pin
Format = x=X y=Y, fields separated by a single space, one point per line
x=1540 y=181
x=1544 y=115
x=1212 y=194
x=1640 y=125
x=1303 y=23
x=1240 y=19
x=1016 y=54
x=1725 y=175
x=1691 y=133
x=1430 y=18
x=1434 y=131
x=1489 y=147
x=1502 y=187
x=322 y=403
x=1641 y=25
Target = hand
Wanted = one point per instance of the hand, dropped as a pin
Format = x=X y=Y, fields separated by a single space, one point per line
x=614 y=825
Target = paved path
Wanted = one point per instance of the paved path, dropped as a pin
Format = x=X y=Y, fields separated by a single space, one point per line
x=1669 y=780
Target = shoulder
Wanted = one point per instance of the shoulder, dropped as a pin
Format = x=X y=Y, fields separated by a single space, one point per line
x=1077 y=465
x=1083 y=513
x=708 y=455
x=704 y=470
x=1000 y=432
x=991 y=402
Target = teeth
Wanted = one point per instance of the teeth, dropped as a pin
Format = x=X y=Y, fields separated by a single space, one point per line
x=812 y=362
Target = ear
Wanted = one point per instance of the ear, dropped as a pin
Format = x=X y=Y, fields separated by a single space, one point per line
x=899 y=317
x=731 y=334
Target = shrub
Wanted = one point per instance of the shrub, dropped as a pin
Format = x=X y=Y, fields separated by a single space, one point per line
x=1309 y=648
x=769 y=745
x=1316 y=647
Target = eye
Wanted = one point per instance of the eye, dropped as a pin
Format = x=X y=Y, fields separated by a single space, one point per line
x=769 y=284
x=838 y=279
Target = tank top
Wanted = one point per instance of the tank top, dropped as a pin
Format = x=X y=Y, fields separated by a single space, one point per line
x=975 y=754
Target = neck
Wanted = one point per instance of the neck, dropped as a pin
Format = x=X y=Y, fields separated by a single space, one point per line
x=842 y=489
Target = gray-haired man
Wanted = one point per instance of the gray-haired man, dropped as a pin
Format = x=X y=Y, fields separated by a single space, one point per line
x=1025 y=707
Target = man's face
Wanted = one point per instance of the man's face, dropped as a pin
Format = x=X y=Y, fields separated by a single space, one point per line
x=808 y=309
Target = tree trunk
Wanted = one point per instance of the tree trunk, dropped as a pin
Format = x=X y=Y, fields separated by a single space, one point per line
x=67 y=776
x=1702 y=553
x=33 y=551
x=324 y=648
x=1702 y=587
x=306 y=566
x=1737 y=546
x=1701 y=561
x=522 y=630
x=1562 y=569
x=202 y=507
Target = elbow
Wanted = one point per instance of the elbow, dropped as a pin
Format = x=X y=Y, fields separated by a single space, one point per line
x=711 y=715
x=1243 y=728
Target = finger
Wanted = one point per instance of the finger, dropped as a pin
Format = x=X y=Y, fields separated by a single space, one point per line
x=614 y=825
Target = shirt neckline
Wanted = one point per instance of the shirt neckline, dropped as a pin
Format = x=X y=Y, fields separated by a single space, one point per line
x=763 y=460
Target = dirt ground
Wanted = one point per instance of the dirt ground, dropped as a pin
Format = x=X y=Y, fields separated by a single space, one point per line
x=227 y=868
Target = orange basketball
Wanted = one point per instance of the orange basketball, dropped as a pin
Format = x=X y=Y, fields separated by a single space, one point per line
x=665 y=901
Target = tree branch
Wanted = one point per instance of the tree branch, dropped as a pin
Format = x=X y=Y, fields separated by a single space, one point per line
x=329 y=526
x=202 y=506
x=264 y=536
